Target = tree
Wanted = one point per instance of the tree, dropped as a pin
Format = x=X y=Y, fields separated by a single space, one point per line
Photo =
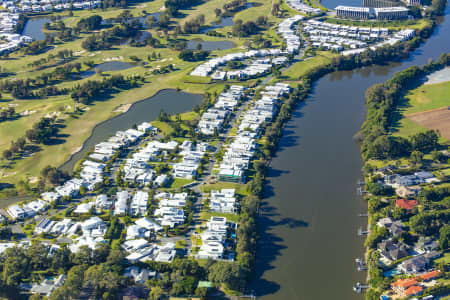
x=424 y=141
x=83 y=256
x=61 y=259
x=102 y=279
x=72 y=286
x=380 y=190
x=156 y=293
x=444 y=237
x=230 y=274
x=437 y=156
x=82 y=190
x=5 y=233
x=416 y=157
x=21 y=143
x=7 y=154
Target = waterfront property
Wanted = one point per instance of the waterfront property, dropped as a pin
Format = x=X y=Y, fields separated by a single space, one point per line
x=380 y=13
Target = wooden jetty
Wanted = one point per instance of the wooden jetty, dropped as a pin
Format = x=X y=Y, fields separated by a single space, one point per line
x=359 y=287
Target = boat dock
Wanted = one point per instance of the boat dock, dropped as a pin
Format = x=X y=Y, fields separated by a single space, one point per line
x=359 y=287
x=361 y=265
x=362 y=232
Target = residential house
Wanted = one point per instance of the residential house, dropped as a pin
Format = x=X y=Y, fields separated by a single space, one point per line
x=406 y=204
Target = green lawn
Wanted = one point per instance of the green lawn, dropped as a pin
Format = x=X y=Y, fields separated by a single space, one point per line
x=179 y=183
x=427 y=97
x=445 y=258
x=230 y=217
x=240 y=188
x=303 y=67
x=406 y=128
x=423 y=98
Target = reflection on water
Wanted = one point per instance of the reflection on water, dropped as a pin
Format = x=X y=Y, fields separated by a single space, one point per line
x=313 y=180
x=107 y=66
x=34 y=26
x=224 y=21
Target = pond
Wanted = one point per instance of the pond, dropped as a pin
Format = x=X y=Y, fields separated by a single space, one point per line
x=146 y=110
x=34 y=28
x=224 y=21
x=107 y=66
x=209 y=45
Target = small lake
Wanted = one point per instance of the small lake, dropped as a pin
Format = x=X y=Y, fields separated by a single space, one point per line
x=108 y=66
x=146 y=110
x=34 y=28
x=209 y=45
x=224 y=21
x=143 y=19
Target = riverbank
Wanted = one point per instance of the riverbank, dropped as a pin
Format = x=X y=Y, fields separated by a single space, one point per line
x=271 y=145
x=147 y=110
x=407 y=204
x=287 y=266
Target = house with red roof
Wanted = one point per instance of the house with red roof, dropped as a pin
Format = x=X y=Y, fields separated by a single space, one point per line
x=401 y=285
x=406 y=204
x=430 y=275
x=407 y=287
x=413 y=291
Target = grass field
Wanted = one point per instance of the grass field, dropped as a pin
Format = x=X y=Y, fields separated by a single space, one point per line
x=422 y=99
x=230 y=217
x=302 y=68
x=427 y=97
x=240 y=188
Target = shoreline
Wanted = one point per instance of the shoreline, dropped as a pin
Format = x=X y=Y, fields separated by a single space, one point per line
x=130 y=105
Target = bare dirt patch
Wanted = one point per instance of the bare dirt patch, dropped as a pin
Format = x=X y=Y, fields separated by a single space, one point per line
x=123 y=108
x=437 y=119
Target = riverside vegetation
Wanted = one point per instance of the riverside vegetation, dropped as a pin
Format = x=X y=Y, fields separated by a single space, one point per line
x=387 y=154
x=98 y=272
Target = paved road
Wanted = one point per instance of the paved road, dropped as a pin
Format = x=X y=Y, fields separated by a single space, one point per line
x=207 y=174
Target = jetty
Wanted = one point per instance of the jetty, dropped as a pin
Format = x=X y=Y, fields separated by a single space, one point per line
x=359 y=287
x=361 y=231
x=361 y=265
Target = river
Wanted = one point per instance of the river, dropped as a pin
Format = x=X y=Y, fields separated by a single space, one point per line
x=309 y=217
x=147 y=110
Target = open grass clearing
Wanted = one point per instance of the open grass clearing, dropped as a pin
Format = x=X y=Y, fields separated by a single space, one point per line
x=424 y=108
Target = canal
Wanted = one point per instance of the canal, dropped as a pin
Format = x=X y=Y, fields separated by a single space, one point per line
x=147 y=110
x=309 y=217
